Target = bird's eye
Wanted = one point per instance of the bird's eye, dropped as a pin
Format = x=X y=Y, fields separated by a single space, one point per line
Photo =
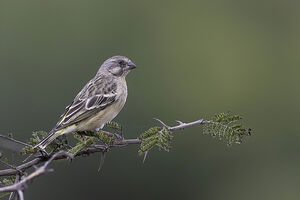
x=121 y=62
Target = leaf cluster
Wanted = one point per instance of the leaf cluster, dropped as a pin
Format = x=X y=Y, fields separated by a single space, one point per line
x=9 y=180
x=155 y=136
x=226 y=127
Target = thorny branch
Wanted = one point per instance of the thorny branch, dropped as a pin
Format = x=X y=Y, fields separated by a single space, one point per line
x=86 y=151
x=89 y=150
x=21 y=181
x=20 y=185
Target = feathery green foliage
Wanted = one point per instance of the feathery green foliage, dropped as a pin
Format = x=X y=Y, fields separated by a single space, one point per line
x=88 y=138
x=36 y=137
x=4 y=194
x=83 y=142
x=57 y=145
x=226 y=127
x=155 y=136
x=9 y=180
x=106 y=139
x=5 y=181
x=115 y=126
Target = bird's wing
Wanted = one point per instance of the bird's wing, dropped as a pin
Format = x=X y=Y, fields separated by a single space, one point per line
x=98 y=94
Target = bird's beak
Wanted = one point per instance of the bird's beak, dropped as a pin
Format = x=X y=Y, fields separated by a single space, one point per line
x=131 y=65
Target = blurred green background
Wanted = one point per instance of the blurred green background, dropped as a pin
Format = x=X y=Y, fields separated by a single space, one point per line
x=194 y=58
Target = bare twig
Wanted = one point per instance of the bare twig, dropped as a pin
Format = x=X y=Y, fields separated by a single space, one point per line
x=13 y=140
x=161 y=122
x=23 y=167
x=145 y=156
x=183 y=125
x=102 y=159
x=20 y=185
x=13 y=194
x=21 y=194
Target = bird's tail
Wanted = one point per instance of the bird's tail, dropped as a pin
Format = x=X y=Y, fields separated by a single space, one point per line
x=47 y=140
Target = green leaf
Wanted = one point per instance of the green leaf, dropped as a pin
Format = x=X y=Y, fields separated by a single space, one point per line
x=155 y=136
x=227 y=127
x=114 y=125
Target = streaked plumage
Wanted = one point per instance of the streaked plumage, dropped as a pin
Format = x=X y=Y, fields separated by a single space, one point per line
x=101 y=99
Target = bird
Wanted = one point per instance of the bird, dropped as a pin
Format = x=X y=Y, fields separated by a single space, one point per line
x=99 y=101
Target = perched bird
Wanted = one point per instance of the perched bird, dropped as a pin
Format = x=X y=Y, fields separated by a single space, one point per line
x=100 y=101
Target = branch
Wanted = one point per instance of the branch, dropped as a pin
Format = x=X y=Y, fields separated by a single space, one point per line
x=92 y=149
x=19 y=186
x=13 y=194
x=14 y=140
x=222 y=125
x=182 y=125
x=86 y=151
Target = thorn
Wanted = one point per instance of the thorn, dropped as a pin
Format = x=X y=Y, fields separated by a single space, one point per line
x=145 y=156
x=69 y=156
x=179 y=122
x=25 y=160
x=102 y=159
x=162 y=123
x=12 y=196
x=118 y=137
x=49 y=170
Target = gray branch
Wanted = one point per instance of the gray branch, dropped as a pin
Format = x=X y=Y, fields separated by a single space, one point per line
x=95 y=148
x=20 y=183
x=183 y=125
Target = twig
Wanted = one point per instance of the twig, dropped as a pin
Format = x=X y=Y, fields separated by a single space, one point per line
x=86 y=151
x=183 y=125
x=21 y=194
x=23 y=167
x=19 y=186
x=7 y=164
x=16 y=141
x=13 y=194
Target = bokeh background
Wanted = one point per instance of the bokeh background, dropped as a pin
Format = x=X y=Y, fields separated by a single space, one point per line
x=194 y=58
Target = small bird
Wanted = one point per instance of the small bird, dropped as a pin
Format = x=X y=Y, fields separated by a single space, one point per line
x=100 y=101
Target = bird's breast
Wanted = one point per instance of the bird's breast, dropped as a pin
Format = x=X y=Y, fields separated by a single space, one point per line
x=109 y=113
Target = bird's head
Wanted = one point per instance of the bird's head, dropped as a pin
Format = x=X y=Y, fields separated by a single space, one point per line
x=118 y=66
